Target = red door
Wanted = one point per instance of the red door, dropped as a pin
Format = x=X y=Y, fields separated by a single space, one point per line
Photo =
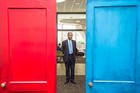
x=28 y=46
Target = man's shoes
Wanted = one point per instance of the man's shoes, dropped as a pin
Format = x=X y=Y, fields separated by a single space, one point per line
x=72 y=81
x=67 y=81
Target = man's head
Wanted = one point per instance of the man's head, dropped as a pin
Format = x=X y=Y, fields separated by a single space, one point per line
x=70 y=35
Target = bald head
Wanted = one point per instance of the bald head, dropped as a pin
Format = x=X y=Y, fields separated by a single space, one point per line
x=70 y=35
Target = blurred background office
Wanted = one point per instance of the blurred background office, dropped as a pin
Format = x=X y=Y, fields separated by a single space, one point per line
x=71 y=17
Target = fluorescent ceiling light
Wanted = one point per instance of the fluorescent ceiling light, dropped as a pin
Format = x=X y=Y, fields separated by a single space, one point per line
x=59 y=1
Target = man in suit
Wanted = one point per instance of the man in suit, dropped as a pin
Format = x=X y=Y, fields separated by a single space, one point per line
x=69 y=51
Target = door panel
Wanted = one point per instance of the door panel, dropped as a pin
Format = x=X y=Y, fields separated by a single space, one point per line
x=28 y=46
x=114 y=38
x=112 y=47
x=27 y=41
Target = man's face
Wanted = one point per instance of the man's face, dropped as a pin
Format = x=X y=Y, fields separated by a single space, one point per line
x=70 y=36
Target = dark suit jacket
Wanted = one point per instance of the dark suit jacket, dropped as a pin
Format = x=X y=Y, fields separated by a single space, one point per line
x=65 y=49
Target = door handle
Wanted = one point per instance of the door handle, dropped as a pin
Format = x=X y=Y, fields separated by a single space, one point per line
x=90 y=84
x=3 y=85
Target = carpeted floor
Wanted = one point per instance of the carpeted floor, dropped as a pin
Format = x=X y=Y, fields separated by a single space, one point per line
x=79 y=87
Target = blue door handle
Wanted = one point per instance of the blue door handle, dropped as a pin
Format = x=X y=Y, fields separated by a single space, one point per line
x=90 y=84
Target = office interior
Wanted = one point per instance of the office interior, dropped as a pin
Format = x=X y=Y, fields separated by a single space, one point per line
x=71 y=17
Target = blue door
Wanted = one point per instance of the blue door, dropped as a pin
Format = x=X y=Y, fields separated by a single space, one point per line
x=113 y=46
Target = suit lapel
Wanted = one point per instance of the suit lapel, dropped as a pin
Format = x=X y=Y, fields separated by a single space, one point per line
x=73 y=45
x=67 y=44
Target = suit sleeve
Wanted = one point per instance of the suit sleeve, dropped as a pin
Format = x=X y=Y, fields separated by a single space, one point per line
x=76 y=48
x=63 y=47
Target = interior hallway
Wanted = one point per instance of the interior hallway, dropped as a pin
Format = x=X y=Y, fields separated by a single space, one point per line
x=71 y=17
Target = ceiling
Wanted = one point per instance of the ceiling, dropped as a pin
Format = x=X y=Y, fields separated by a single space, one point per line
x=72 y=6
x=71 y=21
